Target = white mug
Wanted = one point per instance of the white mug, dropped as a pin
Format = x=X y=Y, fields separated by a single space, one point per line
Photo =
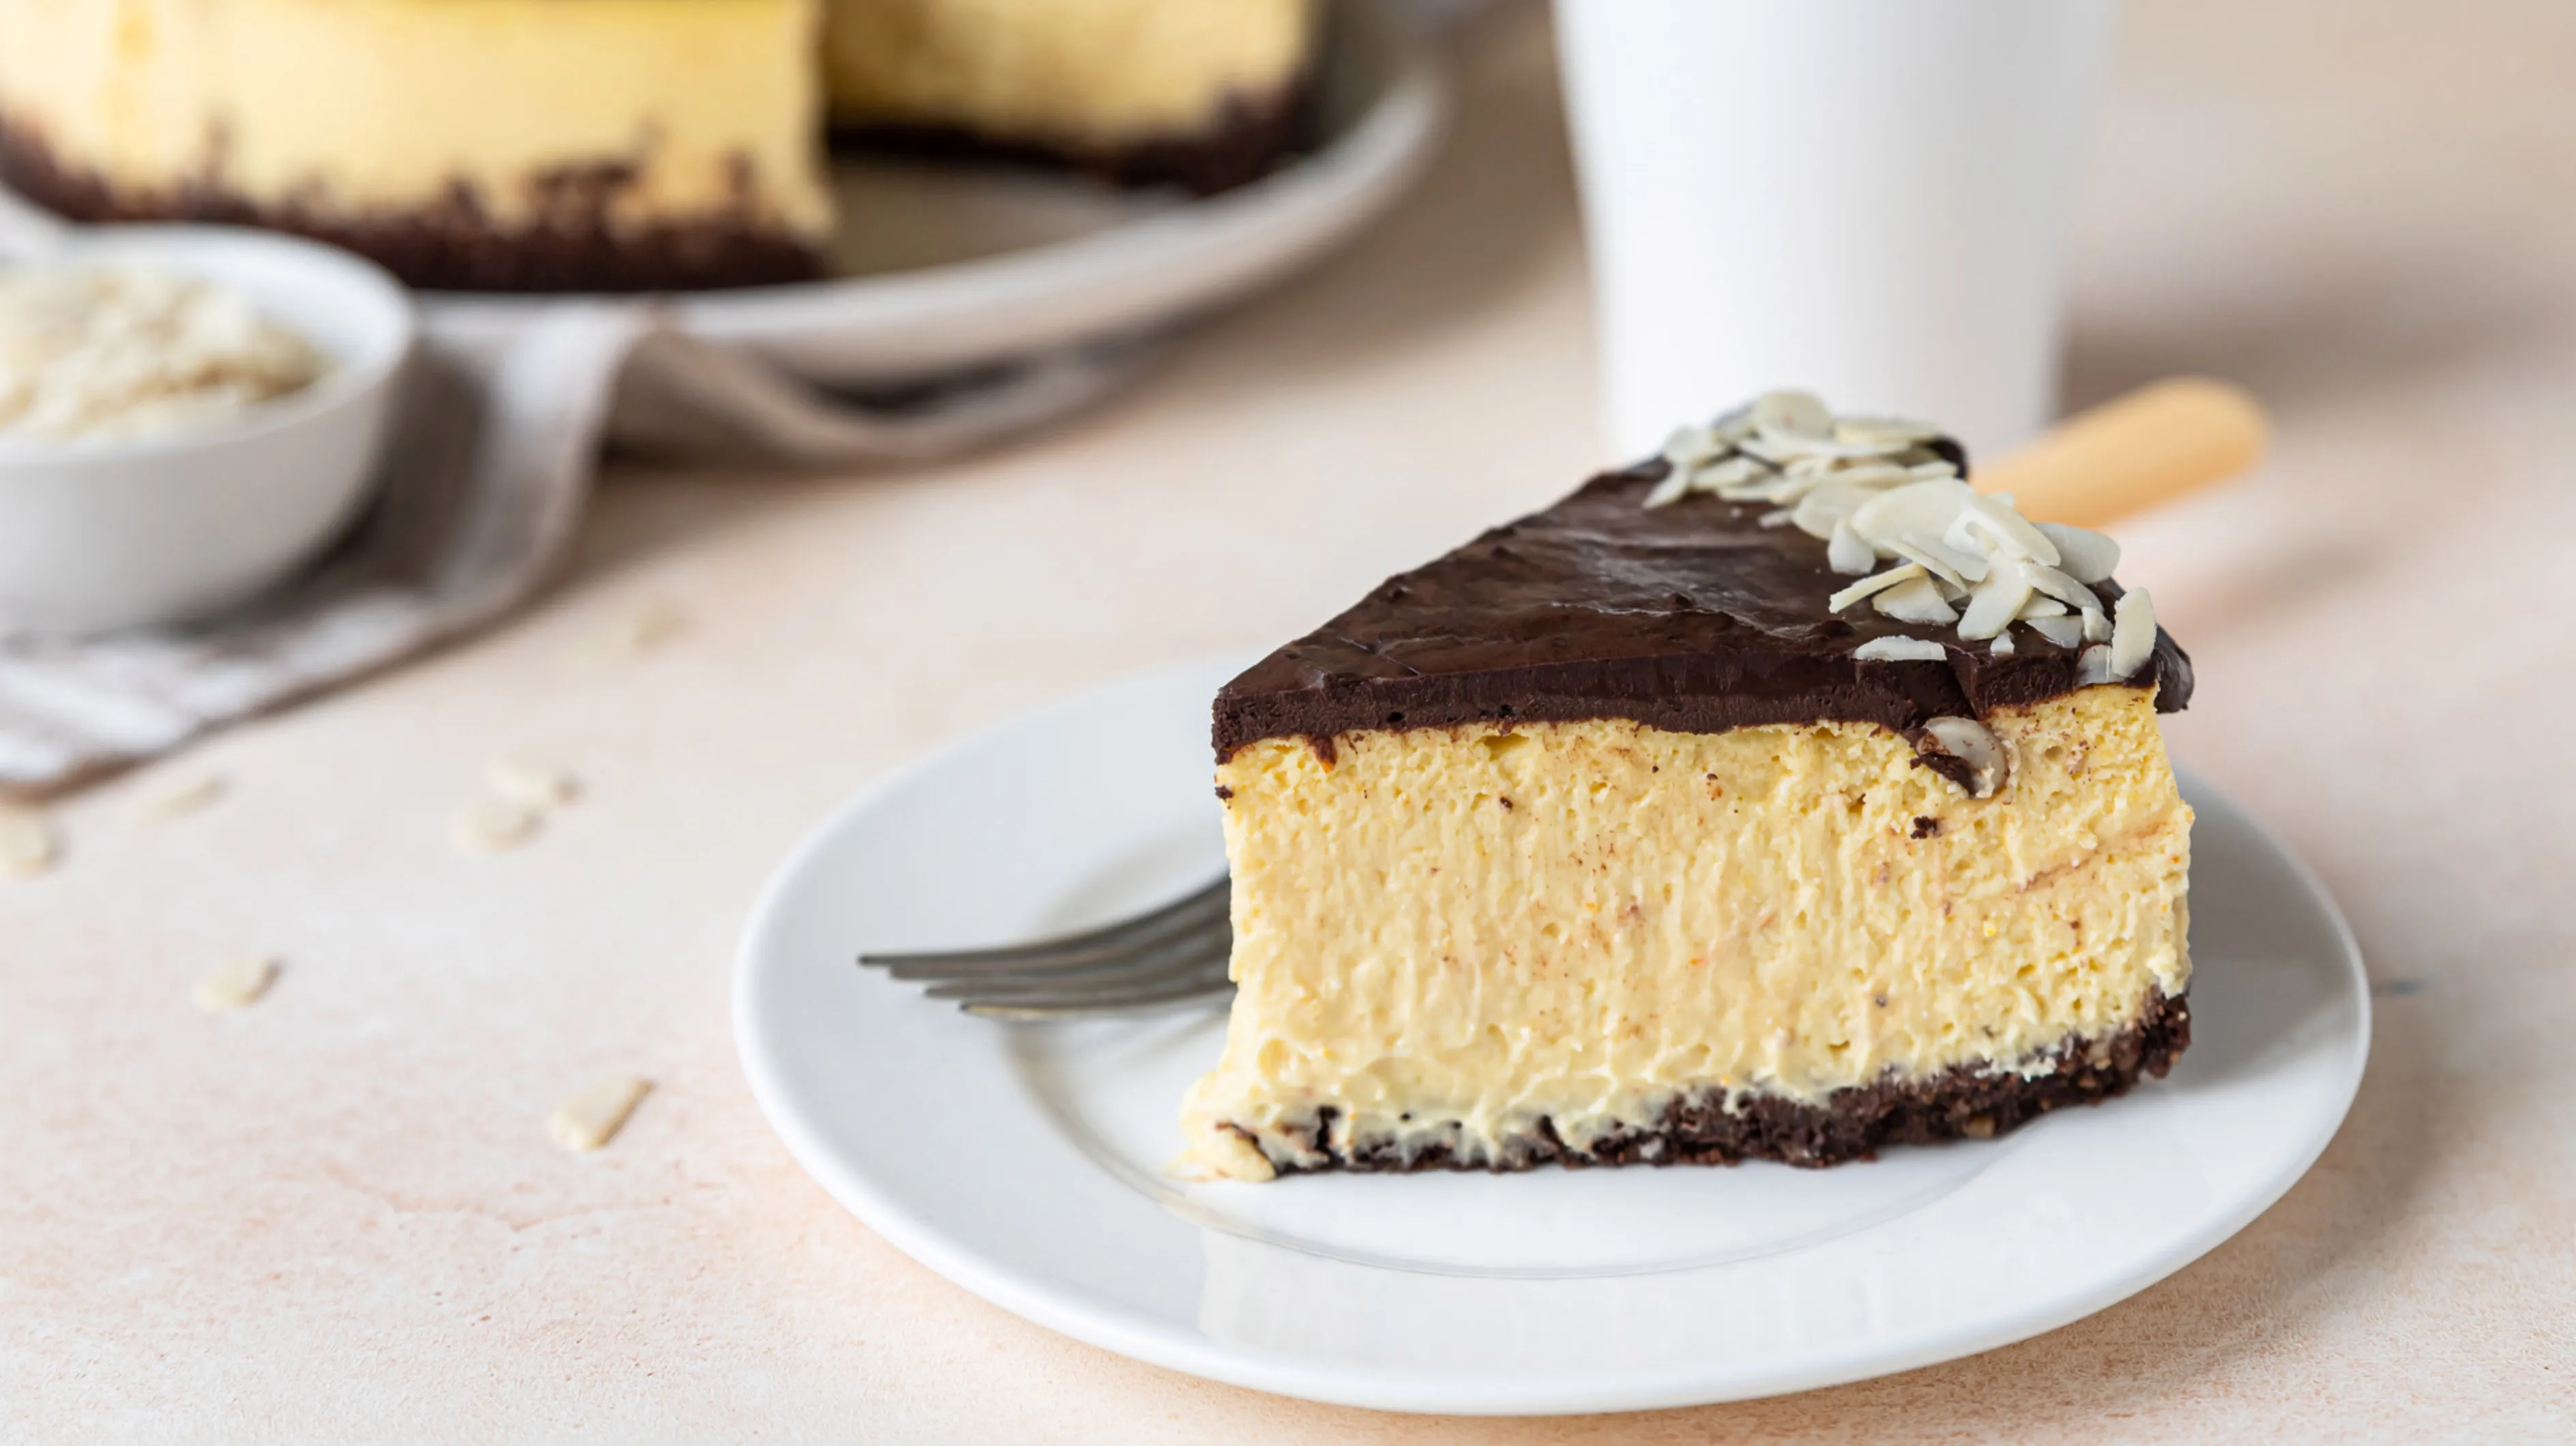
x=1861 y=198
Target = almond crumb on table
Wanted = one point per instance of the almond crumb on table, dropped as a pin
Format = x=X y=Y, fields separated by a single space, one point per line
x=175 y=796
x=28 y=844
x=490 y=825
x=235 y=983
x=531 y=785
x=593 y=1116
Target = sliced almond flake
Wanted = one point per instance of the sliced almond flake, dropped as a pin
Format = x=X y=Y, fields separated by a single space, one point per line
x=491 y=825
x=2061 y=587
x=1996 y=601
x=2007 y=530
x=1894 y=433
x=2133 y=632
x=1675 y=486
x=2041 y=605
x=2082 y=554
x=594 y=1115
x=1778 y=517
x=2093 y=666
x=1827 y=507
x=1925 y=507
x=2062 y=629
x=1901 y=650
x=1735 y=425
x=235 y=983
x=1729 y=471
x=1879 y=475
x=1915 y=602
x=175 y=796
x=1688 y=447
x=1845 y=553
x=1795 y=487
x=1933 y=470
x=1762 y=448
x=2097 y=627
x=28 y=845
x=1794 y=414
x=1944 y=561
x=1971 y=742
x=2003 y=647
x=1876 y=582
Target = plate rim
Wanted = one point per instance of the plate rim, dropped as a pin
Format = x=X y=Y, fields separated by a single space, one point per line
x=1133 y=1334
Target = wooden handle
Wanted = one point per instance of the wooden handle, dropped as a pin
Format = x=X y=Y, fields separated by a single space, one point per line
x=2133 y=452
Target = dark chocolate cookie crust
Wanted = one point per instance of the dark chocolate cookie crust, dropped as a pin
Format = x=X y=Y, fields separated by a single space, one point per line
x=1249 y=139
x=1854 y=1124
x=573 y=245
x=1692 y=617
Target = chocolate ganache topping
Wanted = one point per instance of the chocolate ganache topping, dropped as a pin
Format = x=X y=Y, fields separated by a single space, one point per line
x=1692 y=616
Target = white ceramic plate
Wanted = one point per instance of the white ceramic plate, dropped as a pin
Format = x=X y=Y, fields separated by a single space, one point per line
x=946 y=268
x=1024 y=1162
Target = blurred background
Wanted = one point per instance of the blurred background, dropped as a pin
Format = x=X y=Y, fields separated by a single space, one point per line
x=784 y=583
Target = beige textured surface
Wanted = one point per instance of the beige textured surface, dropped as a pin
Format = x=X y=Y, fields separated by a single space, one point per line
x=337 y=1216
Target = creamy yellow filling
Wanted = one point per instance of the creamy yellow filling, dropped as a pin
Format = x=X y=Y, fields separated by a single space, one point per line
x=1069 y=72
x=1448 y=935
x=351 y=107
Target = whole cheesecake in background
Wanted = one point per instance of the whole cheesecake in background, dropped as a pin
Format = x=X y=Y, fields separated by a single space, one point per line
x=1200 y=93
x=1780 y=797
x=500 y=145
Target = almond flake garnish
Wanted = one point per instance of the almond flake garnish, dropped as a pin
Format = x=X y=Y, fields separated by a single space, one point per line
x=2133 y=632
x=1969 y=741
x=1915 y=600
x=28 y=846
x=237 y=983
x=2064 y=629
x=176 y=796
x=494 y=825
x=1878 y=491
x=1901 y=650
x=1893 y=577
x=592 y=1117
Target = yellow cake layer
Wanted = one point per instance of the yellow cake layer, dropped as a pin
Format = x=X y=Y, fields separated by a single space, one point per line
x=1083 y=74
x=359 y=108
x=1448 y=935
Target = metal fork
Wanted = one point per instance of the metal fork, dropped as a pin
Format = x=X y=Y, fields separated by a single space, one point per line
x=1168 y=956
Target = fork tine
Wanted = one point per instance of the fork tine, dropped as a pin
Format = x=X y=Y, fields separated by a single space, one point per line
x=1108 y=941
x=1216 y=932
x=1210 y=950
x=1197 y=986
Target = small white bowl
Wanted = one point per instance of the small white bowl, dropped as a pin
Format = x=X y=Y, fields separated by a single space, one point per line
x=97 y=535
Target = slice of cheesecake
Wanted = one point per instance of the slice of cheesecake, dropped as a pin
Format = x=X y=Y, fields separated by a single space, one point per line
x=1199 y=93
x=584 y=145
x=1780 y=797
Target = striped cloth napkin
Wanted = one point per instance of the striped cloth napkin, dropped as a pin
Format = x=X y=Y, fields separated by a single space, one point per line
x=482 y=486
